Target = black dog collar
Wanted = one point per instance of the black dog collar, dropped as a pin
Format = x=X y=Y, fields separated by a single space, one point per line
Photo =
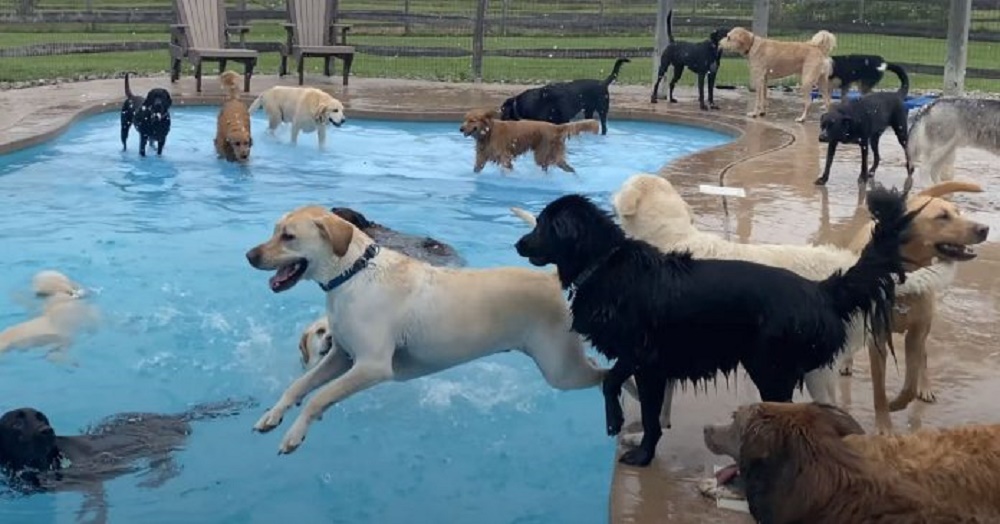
x=355 y=268
x=587 y=273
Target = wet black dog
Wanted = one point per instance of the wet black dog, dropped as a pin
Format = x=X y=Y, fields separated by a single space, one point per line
x=150 y=115
x=862 y=122
x=33 y=458
x=559 y=103
x=666 y=316
x=864 y=70
x=702 y=58
x=422 y=248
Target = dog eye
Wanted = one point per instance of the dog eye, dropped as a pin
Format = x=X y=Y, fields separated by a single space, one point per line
x=287 y=237
x=943 y=216
x=321 y=331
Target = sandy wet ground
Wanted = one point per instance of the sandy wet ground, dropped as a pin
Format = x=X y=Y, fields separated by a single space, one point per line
x=776 y=161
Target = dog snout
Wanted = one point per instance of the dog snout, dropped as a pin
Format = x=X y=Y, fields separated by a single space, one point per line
x=254 y=256
x=521 y=245
x=982 y=231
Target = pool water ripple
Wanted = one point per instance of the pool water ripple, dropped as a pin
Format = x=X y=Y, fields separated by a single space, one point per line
x=161 y=243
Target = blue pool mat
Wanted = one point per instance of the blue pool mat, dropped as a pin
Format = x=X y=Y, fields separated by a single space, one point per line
x=912 y=102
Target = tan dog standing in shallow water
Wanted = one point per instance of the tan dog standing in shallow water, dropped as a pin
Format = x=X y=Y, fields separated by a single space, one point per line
x=775 y=59
x=232 y=134
x=501 y=141
x=397 y=318
x=308 y=109
x=939 y=232
x=813 y=463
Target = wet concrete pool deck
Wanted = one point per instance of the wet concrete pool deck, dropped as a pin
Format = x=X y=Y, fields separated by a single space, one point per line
x=775 y=160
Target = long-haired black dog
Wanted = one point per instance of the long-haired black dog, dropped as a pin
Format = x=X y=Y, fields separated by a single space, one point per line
x=150 y=115
x=666 y=316
x=559 y=103
x=703 y=58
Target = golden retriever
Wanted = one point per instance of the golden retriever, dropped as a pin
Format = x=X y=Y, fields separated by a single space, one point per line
x=773 y=59
x=232 y=134
x=813 y=463
x=398 y=318
x=501 y=141
x=939 y=232
x=64 y=313
x=308 y=109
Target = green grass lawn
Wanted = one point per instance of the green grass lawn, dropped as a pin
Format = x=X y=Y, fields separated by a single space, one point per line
x=496 y=69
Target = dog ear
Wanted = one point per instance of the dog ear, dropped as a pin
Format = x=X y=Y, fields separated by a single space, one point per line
x=564 y=227
x=320 y=112
x=304 y=346
x=952 y=186
x=337 y=232
x=841 y=422
x=627 y=202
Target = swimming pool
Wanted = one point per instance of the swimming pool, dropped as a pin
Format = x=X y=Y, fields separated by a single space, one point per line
x=161 y=243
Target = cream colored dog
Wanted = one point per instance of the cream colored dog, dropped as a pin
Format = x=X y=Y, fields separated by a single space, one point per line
x=308 y=109
x=773 y=59
x=397 y=318
x=64 y=313
x=316 y=341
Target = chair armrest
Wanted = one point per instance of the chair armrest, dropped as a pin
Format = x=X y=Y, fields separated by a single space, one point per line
x=344 y=28
x=178 y=35
x=241 y=29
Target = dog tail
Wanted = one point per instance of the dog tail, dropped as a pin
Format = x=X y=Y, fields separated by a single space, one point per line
x=256 y=103
x=868 y=288
x=904 y=79
x=670 y=32
x=230 y=81
x=614 y=71
x=576 y=128
x=525 y=215
x=224 y=408
x=825 y=41
x=128 y=89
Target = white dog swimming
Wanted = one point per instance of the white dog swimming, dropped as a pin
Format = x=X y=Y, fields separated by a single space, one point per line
x=64 y=313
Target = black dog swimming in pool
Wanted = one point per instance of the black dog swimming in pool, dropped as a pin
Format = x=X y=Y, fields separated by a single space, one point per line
x=421 y=248
x=33 y=458
x=666 y=316
x=150 y=115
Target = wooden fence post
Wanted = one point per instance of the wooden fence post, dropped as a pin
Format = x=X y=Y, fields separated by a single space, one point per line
x=663 y=7
x=406 y=17
x=478 y=35
x=761 y=16
x=959 y=19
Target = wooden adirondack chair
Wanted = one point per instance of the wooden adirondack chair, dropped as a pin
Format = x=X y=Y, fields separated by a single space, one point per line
x=312 y=31
x=202 y=35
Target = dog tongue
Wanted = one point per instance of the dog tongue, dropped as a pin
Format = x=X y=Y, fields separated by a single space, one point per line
x=282 y=275
x=727 y=474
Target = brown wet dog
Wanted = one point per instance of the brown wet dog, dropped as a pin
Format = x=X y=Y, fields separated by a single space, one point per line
x=501 y=141
x=812 y=463
x=774 y=59
x=939 y=232
x=232 y=134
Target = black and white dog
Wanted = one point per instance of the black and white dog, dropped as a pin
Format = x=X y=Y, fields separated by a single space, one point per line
x=864 y=70
x=150 y=115
x=703 y=58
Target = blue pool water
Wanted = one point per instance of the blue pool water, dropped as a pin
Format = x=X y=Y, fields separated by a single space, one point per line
x=161 y=243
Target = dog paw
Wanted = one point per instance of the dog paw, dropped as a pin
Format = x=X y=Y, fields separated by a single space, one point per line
x=637 y=457
x=653 y=101
x=883 y=427
x=820 y=182
x=800 y=119
x=269 y=421
x=294 y=437
x=703 y=108
x=631 y=440
x=614 y=421
x=673 y=100
x=714 y=107
x=927 y=395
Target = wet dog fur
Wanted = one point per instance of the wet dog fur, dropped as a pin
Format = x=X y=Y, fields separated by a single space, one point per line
x=560 y=102
x=667 y=317
x=813 y=463
x=862 y=121
x=939 y=129
x=774 y=59
x=149 y=114
x=233 y=138
x=64 y=313
x=395 y=318
x=500 y=141
x=702 y=58
x=34 y=458
x=430 y=250
x=864 y=70
x=307 y=109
